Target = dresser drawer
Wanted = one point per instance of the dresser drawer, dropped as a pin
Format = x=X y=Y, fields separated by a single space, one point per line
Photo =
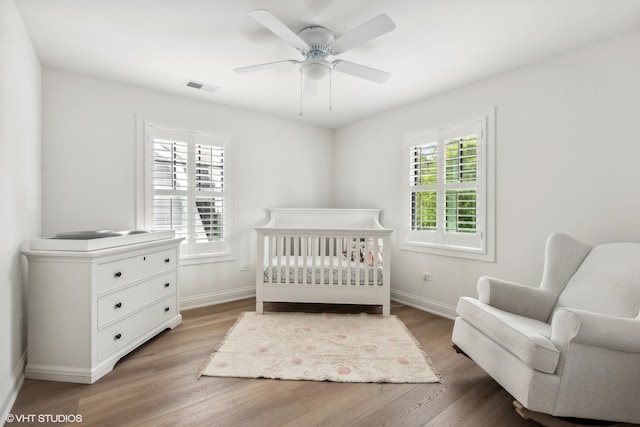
x=120 y=303
x=119 y=334
x=121 y=272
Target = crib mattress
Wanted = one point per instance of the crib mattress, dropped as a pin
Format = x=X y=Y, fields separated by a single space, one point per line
x=337 y=270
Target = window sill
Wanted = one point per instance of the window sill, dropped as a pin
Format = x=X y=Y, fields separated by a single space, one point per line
x=450 y=251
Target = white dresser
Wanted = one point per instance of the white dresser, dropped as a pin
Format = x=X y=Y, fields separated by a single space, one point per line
x=88 y=308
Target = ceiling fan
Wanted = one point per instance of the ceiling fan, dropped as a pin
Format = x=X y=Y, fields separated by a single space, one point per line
x=316 y=43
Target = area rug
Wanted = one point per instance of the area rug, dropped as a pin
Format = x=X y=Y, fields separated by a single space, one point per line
x=321 y=347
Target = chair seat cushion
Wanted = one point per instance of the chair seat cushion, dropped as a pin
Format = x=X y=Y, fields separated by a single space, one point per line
x=526 y=338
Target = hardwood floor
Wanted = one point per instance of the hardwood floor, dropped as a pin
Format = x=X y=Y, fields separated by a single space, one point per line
x=158 y=385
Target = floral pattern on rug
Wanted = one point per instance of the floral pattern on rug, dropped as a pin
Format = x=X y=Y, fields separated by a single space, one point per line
x=321 y=347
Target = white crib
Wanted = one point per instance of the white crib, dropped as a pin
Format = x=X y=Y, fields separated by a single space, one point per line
x=333 y=256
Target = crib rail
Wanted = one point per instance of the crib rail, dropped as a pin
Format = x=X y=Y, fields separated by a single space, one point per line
x=308 y=260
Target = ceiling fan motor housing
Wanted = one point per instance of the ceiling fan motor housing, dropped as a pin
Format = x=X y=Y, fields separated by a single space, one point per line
x=318 y=39
x=315 y=66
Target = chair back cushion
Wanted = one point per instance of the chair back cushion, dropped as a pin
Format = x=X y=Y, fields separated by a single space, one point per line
x=562 y=256
x=607 y=281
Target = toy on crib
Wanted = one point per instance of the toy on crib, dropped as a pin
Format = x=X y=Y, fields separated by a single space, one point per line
x=358 y=250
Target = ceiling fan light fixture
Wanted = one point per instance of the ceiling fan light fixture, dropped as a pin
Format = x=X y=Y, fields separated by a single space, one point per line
x=315 y=69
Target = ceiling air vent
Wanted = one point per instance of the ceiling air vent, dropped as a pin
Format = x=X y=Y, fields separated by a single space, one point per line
x=202 y=86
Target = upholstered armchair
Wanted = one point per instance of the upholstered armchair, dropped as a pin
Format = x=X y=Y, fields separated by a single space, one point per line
x=569 y=347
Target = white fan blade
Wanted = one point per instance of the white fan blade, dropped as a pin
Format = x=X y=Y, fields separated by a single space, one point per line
x=361 y=71
x=378 y=26
x=310 y=87
x=267 y=66
x=274 y=25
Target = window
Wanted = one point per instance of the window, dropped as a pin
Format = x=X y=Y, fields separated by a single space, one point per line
x=188 y=188
x=446 y=196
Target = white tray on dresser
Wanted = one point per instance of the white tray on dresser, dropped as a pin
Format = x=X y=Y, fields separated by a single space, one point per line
x=93 y=301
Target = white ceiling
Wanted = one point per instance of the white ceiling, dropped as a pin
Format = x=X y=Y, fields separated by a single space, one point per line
x=438 y=45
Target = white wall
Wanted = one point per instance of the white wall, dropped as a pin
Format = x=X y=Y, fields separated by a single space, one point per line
x=89 y=167
x=20 y=125
x=568 y=147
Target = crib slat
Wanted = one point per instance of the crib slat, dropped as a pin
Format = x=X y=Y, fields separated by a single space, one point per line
x=274 y=253
x=332 y=269
x=284 y=253
x=266 y=258
x=305 y=252
x=282 y=267
x=357 y=261
x=320 y=261
x=322 y=248
x=269 y=255
x=296 y=257
x=289 y=261
x=283 y=259
x=347 y=263
x=339 y=251
x=329 y=261
x=376 y=251
x=314 y=259
x=347 y=269
x=326 y=264
x=279 y=259
x=365 y=262
x=332 y=264
x=366 y=270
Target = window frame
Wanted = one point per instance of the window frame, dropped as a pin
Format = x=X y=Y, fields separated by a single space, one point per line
x=190 y=254
x=441 y=242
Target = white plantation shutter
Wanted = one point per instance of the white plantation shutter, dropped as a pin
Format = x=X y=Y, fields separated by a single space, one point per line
x=188 y=188
x=209 y=197
x=460 y=181
x=423 y=179
x=170 y=182
x=445 y=193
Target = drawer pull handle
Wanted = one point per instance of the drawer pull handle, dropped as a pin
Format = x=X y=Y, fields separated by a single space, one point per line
x=166 y=285
x=117 y=337
x=118 y=305
x=167 y=260
x=166 y=309
x=118 y=274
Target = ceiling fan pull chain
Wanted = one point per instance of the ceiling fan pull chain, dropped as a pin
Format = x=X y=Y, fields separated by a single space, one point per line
x=300 y=92
x=330 y=88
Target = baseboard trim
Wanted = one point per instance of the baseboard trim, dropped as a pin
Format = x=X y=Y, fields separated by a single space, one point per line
x=13 y=387
x=411 y=300
x=213 y=298
x=431 y=306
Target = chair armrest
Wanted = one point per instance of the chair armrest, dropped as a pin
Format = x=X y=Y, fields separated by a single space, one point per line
x=595 y=329
x=515 y=298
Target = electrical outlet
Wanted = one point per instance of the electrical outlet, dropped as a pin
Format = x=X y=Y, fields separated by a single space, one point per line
x=427 y=277
x=244 y=267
